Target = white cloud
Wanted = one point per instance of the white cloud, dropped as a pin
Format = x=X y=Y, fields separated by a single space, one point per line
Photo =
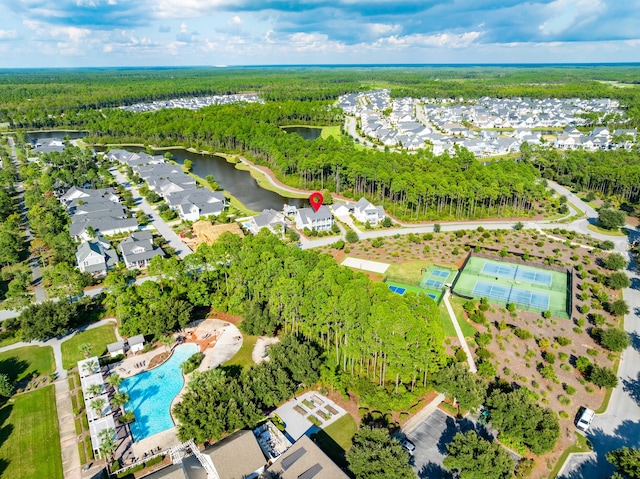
x=8 y=34
x=563 y=15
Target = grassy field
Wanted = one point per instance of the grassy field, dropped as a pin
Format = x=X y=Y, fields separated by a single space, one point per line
x=24 y=362
x=335 y=439
x=604 y=231
x=409 y=272
x=328 y=131
x=29 y=437
x=243 y=356
x=456 y=303
x=263 y=181
x=97 y=337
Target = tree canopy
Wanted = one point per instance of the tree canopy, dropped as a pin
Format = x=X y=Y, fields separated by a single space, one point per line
x=375 y=455
x=476 y=458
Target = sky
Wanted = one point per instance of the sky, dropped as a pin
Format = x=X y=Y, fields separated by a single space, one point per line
x=95 y=33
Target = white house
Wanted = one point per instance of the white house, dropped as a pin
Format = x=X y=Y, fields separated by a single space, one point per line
x=365 y=211
x=271 y=219
x=136 y=343
x=96 y=257
x=321 y=220
x=114 y=349
x=138 y=249
x=342 y=209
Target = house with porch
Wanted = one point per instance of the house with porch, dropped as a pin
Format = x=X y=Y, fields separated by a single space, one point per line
x=96 y=257
x=365 y=211
x=321 y=220
x=138 y=250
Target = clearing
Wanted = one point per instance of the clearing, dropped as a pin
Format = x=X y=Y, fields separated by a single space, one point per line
x=98 y=338
x=23 y=363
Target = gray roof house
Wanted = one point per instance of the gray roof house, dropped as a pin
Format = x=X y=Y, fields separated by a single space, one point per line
x=321 y=220
x=136 y=343
x=191 y=205
x=365 y=211
x=305 y=460
x=106 y=226
x=115 y=348
x=267 y=219
x=88 y=195
x=138 y=249
x=96 y=258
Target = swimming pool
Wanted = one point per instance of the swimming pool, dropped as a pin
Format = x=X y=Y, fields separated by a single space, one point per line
x=151 y=392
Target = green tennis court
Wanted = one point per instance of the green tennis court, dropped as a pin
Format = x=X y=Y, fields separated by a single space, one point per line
x=436 y=277
x=401 y=289
x=530 y=288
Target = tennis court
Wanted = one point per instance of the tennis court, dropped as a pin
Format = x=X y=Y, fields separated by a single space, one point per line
x=501 y=282
x=397 y=289
x=436 y=277
x=519 y=296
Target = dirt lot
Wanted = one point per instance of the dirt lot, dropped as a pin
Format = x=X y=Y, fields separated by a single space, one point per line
x=519 y=360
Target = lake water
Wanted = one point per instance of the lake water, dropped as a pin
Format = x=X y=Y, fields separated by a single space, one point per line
x=306 y=132
x=237 y=182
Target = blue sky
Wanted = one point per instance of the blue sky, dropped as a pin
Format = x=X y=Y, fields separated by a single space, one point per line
x=71 y=33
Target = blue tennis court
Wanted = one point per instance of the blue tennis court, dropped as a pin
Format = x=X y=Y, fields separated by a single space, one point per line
x=489 y=290
x=533 y=276
x=499 y=270
x=512 y=295
x=439 y=273
x=433 y=283
x=397 y=289
x=432 y=296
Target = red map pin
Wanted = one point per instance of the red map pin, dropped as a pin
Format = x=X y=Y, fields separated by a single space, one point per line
x=316 y=200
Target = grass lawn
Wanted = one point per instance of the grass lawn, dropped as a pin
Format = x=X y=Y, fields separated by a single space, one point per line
x=580 y=446
x=328 y=131
x=243 y=356
x=604 y=231
x=456 y=303
x=29 y=438
x=409 y=272
x=97 y=337
x=335 y=439
x=24 y=362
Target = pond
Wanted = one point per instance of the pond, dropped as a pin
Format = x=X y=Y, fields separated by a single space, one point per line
x=38 y=135
x=306 y=132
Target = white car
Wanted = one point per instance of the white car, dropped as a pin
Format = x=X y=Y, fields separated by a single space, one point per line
x=408 y=446
x=585 y=419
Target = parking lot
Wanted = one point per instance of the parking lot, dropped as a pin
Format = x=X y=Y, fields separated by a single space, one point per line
x=431 y=438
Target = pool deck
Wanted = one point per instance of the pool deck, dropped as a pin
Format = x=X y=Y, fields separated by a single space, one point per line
x=218 y=340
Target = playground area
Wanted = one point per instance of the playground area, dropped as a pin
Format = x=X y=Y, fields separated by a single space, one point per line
x=432 y=282
x=529 y=288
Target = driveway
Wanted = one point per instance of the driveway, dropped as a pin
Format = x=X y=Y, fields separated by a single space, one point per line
x=431 y=438
x=160 y=225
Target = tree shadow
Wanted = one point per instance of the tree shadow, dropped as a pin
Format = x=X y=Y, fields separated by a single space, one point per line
x=463 y=425
x=13 y=367
x=635 y=340
x=635 y=283
x=330 y=447
x=596 y=464
x=432 y=470
x=632 y=388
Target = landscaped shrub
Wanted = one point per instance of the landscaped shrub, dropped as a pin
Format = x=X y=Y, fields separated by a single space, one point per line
x=569 y=389
x=483 y=353
x=522 y=333
x=583 y=364
x=547 y=371
x=192 y=363
x=483 y=339
x=524 y=468
x=563 y=341
x=549 y=357
x=564 y=400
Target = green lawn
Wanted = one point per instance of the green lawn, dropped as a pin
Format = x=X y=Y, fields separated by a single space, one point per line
x=328 y=131
x=29 y=437
x=243 y=356
x=410 y=272
x=456 y=303
x=97 y=337
x=24 y=362
x=604 y=231
x=335 y=439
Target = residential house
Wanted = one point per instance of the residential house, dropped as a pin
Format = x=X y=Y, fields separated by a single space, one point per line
x=115 y=349
x=321 y=220
x=88 y=195
x=136 y=343
x=342 y=209
x=194 y=204
x=81 y=225
x=138 y=250
x=364 y=211
x=96 y=257
x=271 y=219
x=305 y=459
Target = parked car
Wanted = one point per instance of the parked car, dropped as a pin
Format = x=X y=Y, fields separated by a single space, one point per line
x=408 y=446
x=584 y=421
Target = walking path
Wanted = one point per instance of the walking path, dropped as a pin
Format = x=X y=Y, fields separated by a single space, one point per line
x=456 y=326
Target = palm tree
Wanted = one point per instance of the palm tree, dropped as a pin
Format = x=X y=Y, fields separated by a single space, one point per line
x=114 y=380
x=90 y=366
x=98 y=405
x=107 y=442
x=85 y=348
x=94 y=389
x=167 y=341
x=120 y=399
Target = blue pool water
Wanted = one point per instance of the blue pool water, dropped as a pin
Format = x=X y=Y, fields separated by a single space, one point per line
x=151 y=393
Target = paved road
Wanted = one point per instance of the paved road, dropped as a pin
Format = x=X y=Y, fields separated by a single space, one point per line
x=620 y=424
x=588 y=210
x=34 y=263
x=350 y=123
x=161 y=226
